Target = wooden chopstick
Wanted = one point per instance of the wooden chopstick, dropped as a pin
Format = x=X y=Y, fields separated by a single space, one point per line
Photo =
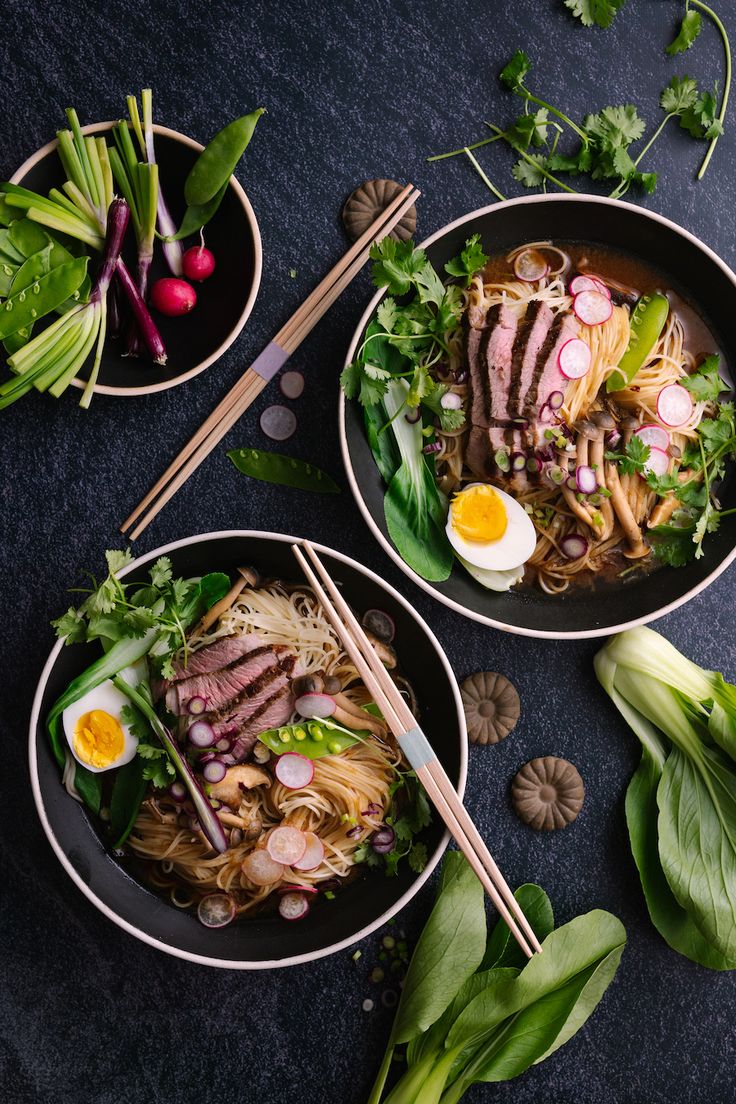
x=274 y=356
x=416 y=747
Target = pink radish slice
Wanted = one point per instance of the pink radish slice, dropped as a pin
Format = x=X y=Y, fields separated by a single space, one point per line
x=586 y=480
x=314 y=854
x=583 y=283
x=286 y=845
x=291 y=384
x=530 y=266
x=216 y=910
x=294 y=771
x=293 y=906
x=278 y=422
x=315 y=705
x=289 y=888
x=574 y=358
x=261 y=869
x=654 y=435
x=602 y=287
x=674 y=405
x=658 y=461
x=214 y=771
x=592 y=307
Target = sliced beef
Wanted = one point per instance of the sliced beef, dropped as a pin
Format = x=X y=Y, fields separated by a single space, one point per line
x=480 y=399
x=272 y=713
x=220 y=687
x=212 y=657
x=266 y=703
x=551 y=378
x=496 y=350
x=481 y=449
x=530 y=338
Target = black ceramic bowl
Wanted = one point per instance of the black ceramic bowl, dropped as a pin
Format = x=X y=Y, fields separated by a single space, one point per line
x=264 y=942
x=693 y=271
x=224 y=301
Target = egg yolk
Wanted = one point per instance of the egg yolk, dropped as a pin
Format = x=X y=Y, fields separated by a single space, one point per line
x=478 y=514
x=98 y=738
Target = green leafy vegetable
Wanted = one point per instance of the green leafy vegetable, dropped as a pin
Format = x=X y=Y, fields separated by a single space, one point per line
x=490 y=1014
x=128 y=790
x=599 y=13
x=706 y=384
x=471 y=260
x=274 y=467
x=681 y=803
x=690 y=28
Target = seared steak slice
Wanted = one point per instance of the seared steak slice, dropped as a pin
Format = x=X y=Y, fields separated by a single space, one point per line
x=481 y=449
x=496 y=350
x=272 y=713
x=530 y=338
x=220 y=687
x=548 y=377
x=236 y=713
x=212 y=657
x=480 y=399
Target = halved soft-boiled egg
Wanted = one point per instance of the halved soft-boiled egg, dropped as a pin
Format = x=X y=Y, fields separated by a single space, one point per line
x=95 y=731
x=490 y=529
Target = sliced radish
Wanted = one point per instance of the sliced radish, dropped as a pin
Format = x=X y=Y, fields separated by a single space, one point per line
x=289 y=888
x=585 y=479
x=286 y=845
x=588 y=282
x=674 y=405
x=658 y=461
x=530 y=266
x=654 y=435
x=574 y=547
x=293 y=906
x=278 y=422
x=261 y=869
x=314 y=854
x=602 y=287
x=574 y=358
x=294 y=771
x=315 y=705
x=216 y=910
x=592 y=307
x=291 y=384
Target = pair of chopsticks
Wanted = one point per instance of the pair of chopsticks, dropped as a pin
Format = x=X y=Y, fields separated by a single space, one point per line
x=265 y=366
x=416 y=747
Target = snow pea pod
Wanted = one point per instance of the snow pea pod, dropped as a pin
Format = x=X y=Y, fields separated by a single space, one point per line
x=216 y=162
x=647 y=323
x=197 y=216
x=8 y=250
x=44 y=295
x=274 y=467
x=313 y=739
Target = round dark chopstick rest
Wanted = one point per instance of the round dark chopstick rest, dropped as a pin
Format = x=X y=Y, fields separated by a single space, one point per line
x=365 y=204
x=491 y=705
x=548 y=793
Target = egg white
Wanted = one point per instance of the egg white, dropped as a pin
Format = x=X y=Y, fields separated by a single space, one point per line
x=510 y=550
x=109 y=699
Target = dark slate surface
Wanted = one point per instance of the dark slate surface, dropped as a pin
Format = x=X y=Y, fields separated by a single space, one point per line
x=354 y=90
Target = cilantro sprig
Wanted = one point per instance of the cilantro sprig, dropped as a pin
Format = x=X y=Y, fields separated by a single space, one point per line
x=599 y=13
x=413 y=815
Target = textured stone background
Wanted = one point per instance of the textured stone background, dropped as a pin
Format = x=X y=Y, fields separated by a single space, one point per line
x=353 y=90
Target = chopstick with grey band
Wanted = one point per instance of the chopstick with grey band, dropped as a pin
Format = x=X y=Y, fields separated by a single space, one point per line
x=266 y=365
x=416 y=747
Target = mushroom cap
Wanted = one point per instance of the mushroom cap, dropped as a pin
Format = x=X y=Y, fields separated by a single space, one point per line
x=548 y=793
x=364 y=205
x=586 y=428
x=491 y=705
x=603 y=419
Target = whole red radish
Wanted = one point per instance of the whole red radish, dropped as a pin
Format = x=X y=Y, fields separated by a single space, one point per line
x=173 y=297
x=198 y=263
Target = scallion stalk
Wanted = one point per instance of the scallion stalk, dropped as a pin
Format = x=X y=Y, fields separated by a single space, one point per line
x=144 y=133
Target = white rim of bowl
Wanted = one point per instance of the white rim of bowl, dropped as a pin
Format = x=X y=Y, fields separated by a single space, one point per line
x=236 y=964
x=185 y=140
x=582 y=634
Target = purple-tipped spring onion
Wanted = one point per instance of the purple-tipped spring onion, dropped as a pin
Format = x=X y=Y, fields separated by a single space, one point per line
x=144 y=133
x=208 y=820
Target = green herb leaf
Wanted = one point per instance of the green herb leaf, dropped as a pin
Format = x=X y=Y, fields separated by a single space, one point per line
x=673 y=544
x=701 y=119
x=128 y=790
x=705 y=384
x=471 y=260
x=529 y=173
x=531 y=129
x=599 y=13
x=515 y=70
x=679 y=95
x=450 y=419
x=690 y=28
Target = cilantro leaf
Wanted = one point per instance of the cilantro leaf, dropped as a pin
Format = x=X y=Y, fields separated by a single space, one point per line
x=71 y=625
x=531 y=129
x=515 y=70
x=141 y=729
x=689 y=30
x=679 y=95
x=417 y=857
x=529 y=173
x=449 y=419
x=600 y=13
x=705 y=384
x=615 y=126
x=117 y=560
x=633 y=458
x=673 y=544
x=471 y=260
x=161 y=572
x=701 y=120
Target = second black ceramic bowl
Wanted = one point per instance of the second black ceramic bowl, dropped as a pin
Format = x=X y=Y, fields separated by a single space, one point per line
x=224 y=301
x=689 y=268
x=267 y=941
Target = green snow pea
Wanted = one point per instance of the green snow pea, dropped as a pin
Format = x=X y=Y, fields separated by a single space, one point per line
x=647 y=323
x=215 y=164
x=8 y=251
x=197 y=216
x=44 y=295
x=313 y=739
x=274 y=467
